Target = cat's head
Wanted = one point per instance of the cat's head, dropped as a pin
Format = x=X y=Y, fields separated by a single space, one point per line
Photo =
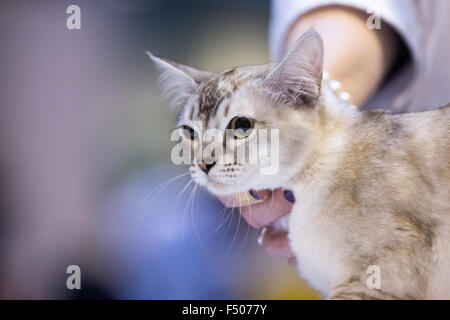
x=236 y=104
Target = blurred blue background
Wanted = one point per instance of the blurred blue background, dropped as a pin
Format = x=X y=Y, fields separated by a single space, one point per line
x=86 y=171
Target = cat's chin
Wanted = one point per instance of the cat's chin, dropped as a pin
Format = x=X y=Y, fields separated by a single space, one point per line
x=242 y=184
x=227 y=189
x=223 y=189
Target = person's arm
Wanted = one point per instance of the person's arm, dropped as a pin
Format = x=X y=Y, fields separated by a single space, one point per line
x=354 y=55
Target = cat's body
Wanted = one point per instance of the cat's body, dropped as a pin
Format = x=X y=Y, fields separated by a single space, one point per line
x=376 y=193
x=371 y=188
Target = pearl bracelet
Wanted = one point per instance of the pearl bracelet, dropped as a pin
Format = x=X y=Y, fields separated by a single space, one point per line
x=335 y=87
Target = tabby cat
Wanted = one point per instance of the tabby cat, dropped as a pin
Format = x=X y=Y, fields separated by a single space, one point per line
x=371 y=187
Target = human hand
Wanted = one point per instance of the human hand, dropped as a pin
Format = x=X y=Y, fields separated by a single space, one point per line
x=277 y=204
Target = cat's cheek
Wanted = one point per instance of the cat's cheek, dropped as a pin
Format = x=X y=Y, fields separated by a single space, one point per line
x=198 y=177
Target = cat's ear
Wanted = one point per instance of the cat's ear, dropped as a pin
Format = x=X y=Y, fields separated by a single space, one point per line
x=297 y=78
x=178 y=81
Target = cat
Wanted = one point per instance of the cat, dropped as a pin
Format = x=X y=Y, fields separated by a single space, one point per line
x=371 y=187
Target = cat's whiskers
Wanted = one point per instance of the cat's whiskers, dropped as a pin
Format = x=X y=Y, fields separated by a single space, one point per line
x=196 y=229
x=236 y=232
x=178 y=197
x=230 y=218
x=158 y=189
x=222 y=223
x=269 y=209
x=245 y=237
x=184 y=215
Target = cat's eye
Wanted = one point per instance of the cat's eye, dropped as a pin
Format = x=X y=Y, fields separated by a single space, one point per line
x=189 y=132
x=242 y=127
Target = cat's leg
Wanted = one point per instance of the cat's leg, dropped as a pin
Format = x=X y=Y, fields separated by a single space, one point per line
x=396 y=276
x=356 y=288
x=390 y=261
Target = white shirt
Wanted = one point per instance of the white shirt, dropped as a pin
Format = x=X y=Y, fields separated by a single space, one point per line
x=424 y=26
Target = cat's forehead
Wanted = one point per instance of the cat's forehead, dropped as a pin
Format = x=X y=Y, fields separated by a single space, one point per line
x=216 y=93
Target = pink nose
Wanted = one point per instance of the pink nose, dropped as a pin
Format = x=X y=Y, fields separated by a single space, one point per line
x=206 y=167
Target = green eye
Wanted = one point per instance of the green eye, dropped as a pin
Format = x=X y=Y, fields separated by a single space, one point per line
x=242 y=127
x=191 y=133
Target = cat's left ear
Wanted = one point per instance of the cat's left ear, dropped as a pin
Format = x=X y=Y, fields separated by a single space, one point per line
x=297 y=78
x=178 y=81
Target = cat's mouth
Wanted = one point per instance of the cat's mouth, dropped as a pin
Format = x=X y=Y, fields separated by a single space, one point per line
x=221 y=184
x=221 y=179
x=218 y=179
x=224 y=186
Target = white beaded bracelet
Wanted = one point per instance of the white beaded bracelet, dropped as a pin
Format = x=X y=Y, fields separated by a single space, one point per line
x=335 y=87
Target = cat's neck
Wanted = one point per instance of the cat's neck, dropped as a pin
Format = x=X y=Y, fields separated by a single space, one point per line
x=335 y=101
x=334 y=117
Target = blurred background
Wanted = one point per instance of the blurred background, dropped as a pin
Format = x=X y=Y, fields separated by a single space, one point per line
x=86 y=177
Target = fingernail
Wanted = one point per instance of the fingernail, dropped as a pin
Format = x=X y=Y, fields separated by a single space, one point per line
x=255 y=195
x=289 y=196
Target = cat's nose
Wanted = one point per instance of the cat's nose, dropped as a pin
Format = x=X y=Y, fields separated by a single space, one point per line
x=206 y=167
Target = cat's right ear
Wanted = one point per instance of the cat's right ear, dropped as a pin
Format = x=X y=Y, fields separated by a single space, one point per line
x=178 y=81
